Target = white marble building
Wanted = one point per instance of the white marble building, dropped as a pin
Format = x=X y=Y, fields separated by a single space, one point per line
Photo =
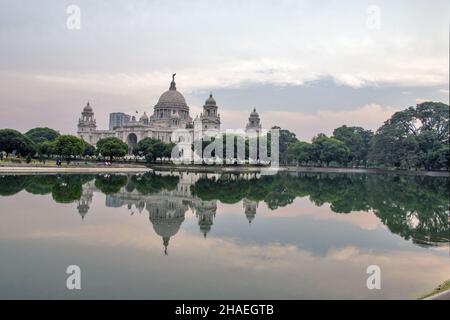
x=170 y=113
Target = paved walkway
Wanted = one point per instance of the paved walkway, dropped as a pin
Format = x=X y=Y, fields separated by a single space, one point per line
x=41 y=170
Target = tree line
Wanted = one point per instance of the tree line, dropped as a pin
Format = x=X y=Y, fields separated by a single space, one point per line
x=46 y=143
x=415 y=138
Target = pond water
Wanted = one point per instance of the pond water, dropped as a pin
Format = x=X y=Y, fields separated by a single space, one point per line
x=187 y=235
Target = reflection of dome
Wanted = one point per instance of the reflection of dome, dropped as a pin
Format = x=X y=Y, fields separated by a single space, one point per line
x=205 y=212
x=250 y=209
x=166 y=225
x=205 y=226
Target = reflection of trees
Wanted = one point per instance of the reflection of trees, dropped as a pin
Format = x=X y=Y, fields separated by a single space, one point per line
x=41 y=184
x=110 y=184
x=10 y=185
x=414 y=207
x=69 y=188
x=151 y=183
x=64 y=189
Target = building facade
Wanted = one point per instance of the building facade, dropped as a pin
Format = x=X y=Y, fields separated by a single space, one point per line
x=171 y=113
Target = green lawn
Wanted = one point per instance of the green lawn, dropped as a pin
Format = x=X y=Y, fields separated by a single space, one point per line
x=440 y=288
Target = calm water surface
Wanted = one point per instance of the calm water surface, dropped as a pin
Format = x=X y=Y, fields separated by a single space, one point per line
x=188 y=236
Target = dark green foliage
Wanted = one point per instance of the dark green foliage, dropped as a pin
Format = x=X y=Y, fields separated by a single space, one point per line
x=414 y=207
x=89 y=150
x=357 y=141
x=10 y=185
x=68 y=146
x=69 y=188
x=152 y=149
x=39 y=135
x=150 y=183
x=13 y=141
x=41 y=184
x=110 y=184
x=45 y=149
x=414 y=138
x=326 y=150
x=112 y=147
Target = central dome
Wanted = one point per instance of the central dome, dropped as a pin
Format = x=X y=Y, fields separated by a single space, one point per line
x=171 y=98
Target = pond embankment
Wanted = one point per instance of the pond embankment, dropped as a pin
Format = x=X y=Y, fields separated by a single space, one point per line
x=257 y=169
x=137 y=168
x=72 y=169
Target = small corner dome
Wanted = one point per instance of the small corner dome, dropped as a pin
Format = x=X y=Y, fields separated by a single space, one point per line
x=87 y=107
x=144 y=116
x=210 y=100
x=254 y=113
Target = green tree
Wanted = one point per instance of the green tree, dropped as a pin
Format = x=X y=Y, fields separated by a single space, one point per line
x=286 y=138
x=326 y=150
x=414 y=138
x=110 y=184
x=39 y=135
x=68 y=146
x=150 y=183
x=89 y=150
x=112 y=147
x=10 y=185
x=357 y=141
x=300 y=152
x=45 y=149
x=151 y=149
x=13 y=141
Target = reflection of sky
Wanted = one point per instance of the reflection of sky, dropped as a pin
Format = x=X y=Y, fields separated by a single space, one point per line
x=299 y=251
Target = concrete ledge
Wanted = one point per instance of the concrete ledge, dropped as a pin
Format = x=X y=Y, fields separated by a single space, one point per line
x=257 y=169
x=72 y=170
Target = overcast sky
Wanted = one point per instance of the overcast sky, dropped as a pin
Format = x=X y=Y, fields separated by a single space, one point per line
x=308 y=66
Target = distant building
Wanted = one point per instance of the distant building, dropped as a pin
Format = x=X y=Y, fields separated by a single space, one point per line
x=118 y=120
x=254 y=126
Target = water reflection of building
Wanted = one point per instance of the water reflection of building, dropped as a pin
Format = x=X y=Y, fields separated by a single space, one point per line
x=205 y=211
x=166 y=216
x=167 y=208
x=83 y=204
x=250 y=207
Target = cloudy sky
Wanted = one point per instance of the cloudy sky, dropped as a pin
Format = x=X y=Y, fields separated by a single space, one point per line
x=308 y=66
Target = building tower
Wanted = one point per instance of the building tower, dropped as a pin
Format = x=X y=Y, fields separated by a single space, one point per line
x=250 y=209
x=210 y=117
x=205 y=212
x=85 y=200
x=171 y=111
x=254 y=126
x=87 y=124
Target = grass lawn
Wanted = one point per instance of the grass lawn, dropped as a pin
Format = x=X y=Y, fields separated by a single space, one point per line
x=440 y=288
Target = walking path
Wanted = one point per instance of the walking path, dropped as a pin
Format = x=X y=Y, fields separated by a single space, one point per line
x=135 y=168
x=49 y=170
